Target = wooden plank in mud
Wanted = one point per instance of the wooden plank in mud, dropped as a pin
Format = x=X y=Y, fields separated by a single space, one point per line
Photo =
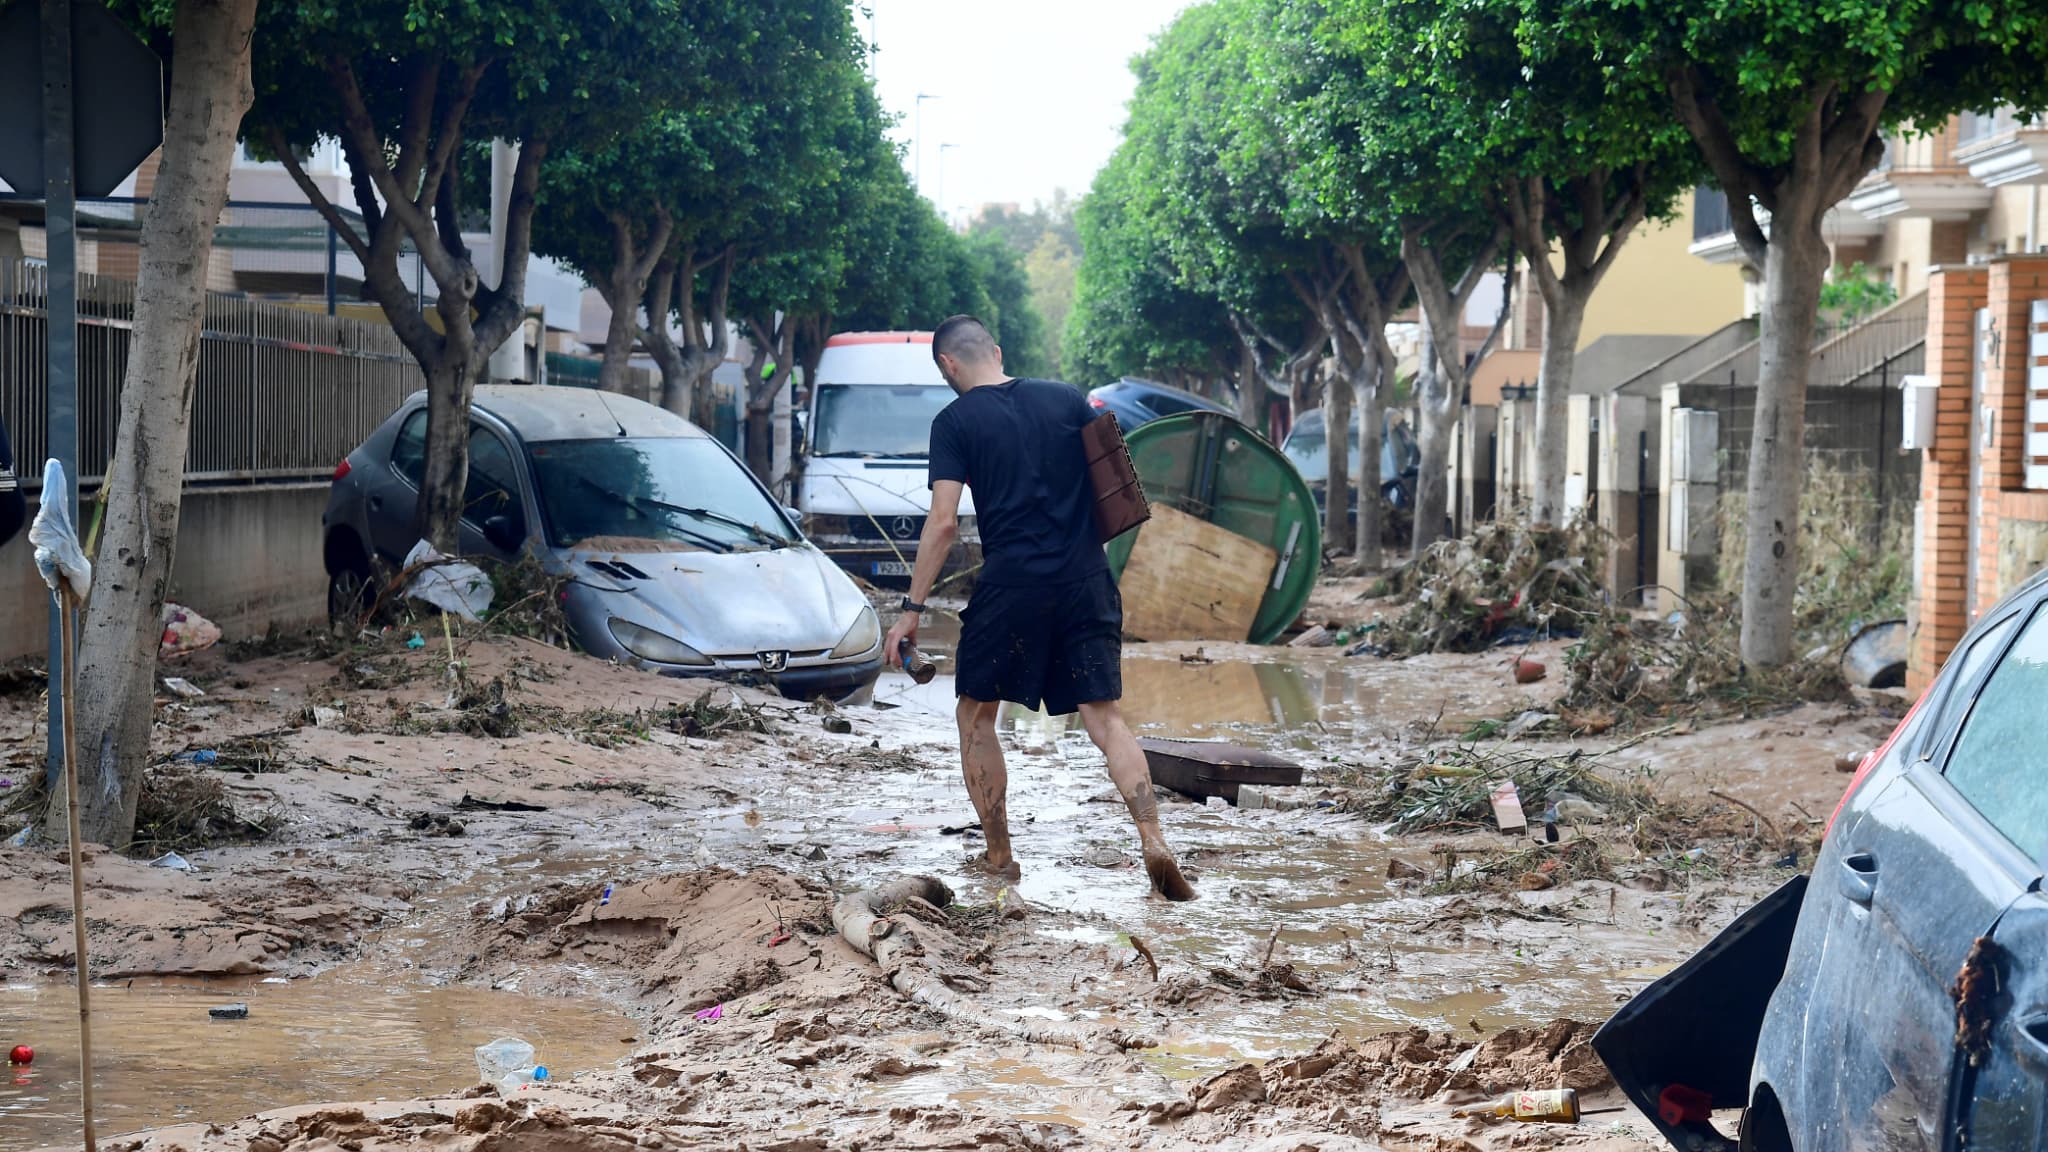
x=1187 y=579
x=1202 y=768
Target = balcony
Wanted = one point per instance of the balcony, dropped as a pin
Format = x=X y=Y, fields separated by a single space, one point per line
x=1921 y=178
x=1999 y=148
x=1713 y=227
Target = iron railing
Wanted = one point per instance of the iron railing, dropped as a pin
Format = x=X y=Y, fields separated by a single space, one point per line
x=281 y=393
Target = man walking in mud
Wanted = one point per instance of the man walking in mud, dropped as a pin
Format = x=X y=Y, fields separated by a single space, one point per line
x=1045 y=624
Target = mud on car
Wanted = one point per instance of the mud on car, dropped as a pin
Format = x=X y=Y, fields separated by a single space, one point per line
x=1895 y=997
x=672 y=557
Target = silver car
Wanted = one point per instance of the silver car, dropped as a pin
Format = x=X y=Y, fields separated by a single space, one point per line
x=676 y=560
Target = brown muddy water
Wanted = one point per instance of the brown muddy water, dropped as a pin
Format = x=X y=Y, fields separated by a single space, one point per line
x=351 y=1034
x=873 y=805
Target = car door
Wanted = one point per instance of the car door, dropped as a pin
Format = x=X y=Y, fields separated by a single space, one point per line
x=392 y=495
x=1920 y=876
x=493 y=490
x=1998 y=763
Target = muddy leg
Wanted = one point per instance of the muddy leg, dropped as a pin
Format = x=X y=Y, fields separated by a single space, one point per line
x=988 y=781
x=1105 y=723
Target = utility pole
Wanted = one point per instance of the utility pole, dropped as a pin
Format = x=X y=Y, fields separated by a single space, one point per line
x=941 y=197
x=917 y=144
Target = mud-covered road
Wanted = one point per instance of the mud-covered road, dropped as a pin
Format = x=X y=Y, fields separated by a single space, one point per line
x=428 y=878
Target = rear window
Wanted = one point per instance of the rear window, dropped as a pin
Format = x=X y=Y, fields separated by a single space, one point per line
x=2000 y=762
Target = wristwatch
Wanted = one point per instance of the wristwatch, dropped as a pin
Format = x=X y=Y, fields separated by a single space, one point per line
x=910 y=605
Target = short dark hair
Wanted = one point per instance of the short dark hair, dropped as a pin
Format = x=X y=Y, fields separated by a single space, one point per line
x=962 y=337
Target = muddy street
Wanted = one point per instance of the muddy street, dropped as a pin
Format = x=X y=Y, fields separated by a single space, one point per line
x=639 y=877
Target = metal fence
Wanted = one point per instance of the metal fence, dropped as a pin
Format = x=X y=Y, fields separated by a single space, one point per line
x=281 y=393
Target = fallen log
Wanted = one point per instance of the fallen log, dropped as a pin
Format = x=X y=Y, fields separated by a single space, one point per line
x=865 y=920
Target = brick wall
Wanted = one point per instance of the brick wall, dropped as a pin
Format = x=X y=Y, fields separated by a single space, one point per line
x=2008 y=517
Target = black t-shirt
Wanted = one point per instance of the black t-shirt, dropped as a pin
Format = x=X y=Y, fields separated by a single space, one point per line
x=1017 y=445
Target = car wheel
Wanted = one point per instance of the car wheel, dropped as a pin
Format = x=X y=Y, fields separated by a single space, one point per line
x=349 y=597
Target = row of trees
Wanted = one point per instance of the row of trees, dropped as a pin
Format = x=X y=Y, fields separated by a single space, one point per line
x=698 y=162
x=1295 y=172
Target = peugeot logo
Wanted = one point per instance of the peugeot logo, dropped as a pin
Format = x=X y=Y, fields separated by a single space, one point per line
x=774 y=661
x=903 y=527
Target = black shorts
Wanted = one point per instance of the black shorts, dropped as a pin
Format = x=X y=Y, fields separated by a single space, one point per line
x=1059 y=645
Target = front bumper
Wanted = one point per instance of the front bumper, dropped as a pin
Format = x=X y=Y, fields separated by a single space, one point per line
x=839 y=683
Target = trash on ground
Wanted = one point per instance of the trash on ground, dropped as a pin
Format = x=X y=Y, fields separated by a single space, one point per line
x=838 y=725
x=1507 y=579
x=473 y=804
x=173 y=861
x=180 y=686
x=715 y=1012
x=1507 y=808
x=21 y=1054
x=204 y=757
x=1876 y=657
x=1848 y=762
x=415 y=642
x=1529 y=671
x=1547 y=1106
x=454 y=586
x=502 y=1057
x=1316 y=637
x=229 y=1012
x=186 y=631
x=1253 y=797
x=1201 y=768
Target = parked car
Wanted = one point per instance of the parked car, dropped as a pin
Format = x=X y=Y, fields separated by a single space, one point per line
x=676 y=559
x=1135 y=402
x=1307 y=446
x=1898 y=997
x=865 y=492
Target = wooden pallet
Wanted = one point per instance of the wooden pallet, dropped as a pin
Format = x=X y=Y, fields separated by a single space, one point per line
x=1201 y=768
x=1187 y=579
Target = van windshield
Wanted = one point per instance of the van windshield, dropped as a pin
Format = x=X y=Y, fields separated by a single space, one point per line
x=880 y=420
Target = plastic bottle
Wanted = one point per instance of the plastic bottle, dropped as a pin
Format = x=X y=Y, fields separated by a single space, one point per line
x=1548 y=1106
x=917 y=664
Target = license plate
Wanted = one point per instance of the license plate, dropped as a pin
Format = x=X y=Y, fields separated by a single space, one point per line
x=891 y=568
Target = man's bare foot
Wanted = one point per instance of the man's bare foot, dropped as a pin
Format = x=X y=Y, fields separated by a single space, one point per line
x=1011 y=871
x=1166 y=876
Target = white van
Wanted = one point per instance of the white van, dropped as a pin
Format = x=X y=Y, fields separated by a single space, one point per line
x=865 y=493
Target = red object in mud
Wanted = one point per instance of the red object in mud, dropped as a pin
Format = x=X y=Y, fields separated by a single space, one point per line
x=1530 y=671
x=22 y=1054
x=1683 y=1104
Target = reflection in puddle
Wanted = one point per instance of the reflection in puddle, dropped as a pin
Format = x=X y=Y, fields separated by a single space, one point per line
x=349 y=1035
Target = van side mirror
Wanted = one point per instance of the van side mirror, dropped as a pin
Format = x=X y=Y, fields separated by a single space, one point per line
x=796 y=515
x=503 y=534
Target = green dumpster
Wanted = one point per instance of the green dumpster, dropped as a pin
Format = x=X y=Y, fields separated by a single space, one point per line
x=1208 y=465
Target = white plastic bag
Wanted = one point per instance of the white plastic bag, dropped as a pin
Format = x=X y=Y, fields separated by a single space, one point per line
x=58 y=555
x=450 y=585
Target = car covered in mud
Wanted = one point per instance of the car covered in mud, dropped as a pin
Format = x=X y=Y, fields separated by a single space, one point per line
x=672 y=557
x=1897 y=996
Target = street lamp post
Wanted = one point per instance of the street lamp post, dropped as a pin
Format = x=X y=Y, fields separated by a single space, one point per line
x=941 y=197
x=917 y=143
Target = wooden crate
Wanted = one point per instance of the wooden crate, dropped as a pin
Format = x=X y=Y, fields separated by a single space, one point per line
x=1187 y=579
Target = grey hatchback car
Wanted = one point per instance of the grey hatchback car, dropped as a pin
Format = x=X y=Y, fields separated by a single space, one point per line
x=1897 y=997
x=675 y=559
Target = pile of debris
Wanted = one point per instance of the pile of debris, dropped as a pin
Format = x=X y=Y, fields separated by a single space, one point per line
x=1508 y=582
x=1451 y=788
x=1628 y=670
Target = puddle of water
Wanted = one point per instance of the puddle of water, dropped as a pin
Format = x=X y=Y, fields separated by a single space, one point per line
x=349 y=1035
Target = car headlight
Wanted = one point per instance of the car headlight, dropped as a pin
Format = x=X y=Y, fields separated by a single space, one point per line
x=864 y=635
x=650 y=645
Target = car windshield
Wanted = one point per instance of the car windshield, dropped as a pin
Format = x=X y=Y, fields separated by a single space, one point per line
x=1308 y=448
x=881 y=420
x=652 y=494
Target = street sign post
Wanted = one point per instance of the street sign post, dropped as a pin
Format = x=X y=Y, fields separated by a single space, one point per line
x=101 y=94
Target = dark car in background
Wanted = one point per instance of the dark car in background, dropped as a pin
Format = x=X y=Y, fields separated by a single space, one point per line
x=672 y=557
x=1897 y=996
x=1307 y=447
x=1137 y=402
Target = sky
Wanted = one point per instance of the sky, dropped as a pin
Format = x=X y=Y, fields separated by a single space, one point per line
x=1030 y=93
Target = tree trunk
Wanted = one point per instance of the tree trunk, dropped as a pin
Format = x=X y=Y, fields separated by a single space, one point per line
x=1794 y=268
x=1366 y=393
x=623 y=295
x=1437 y=409
x=123 y=626
x=761 y=438
x=1566 y=316
x=1251 y=389
x=451 y=384
x=1337 y=426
